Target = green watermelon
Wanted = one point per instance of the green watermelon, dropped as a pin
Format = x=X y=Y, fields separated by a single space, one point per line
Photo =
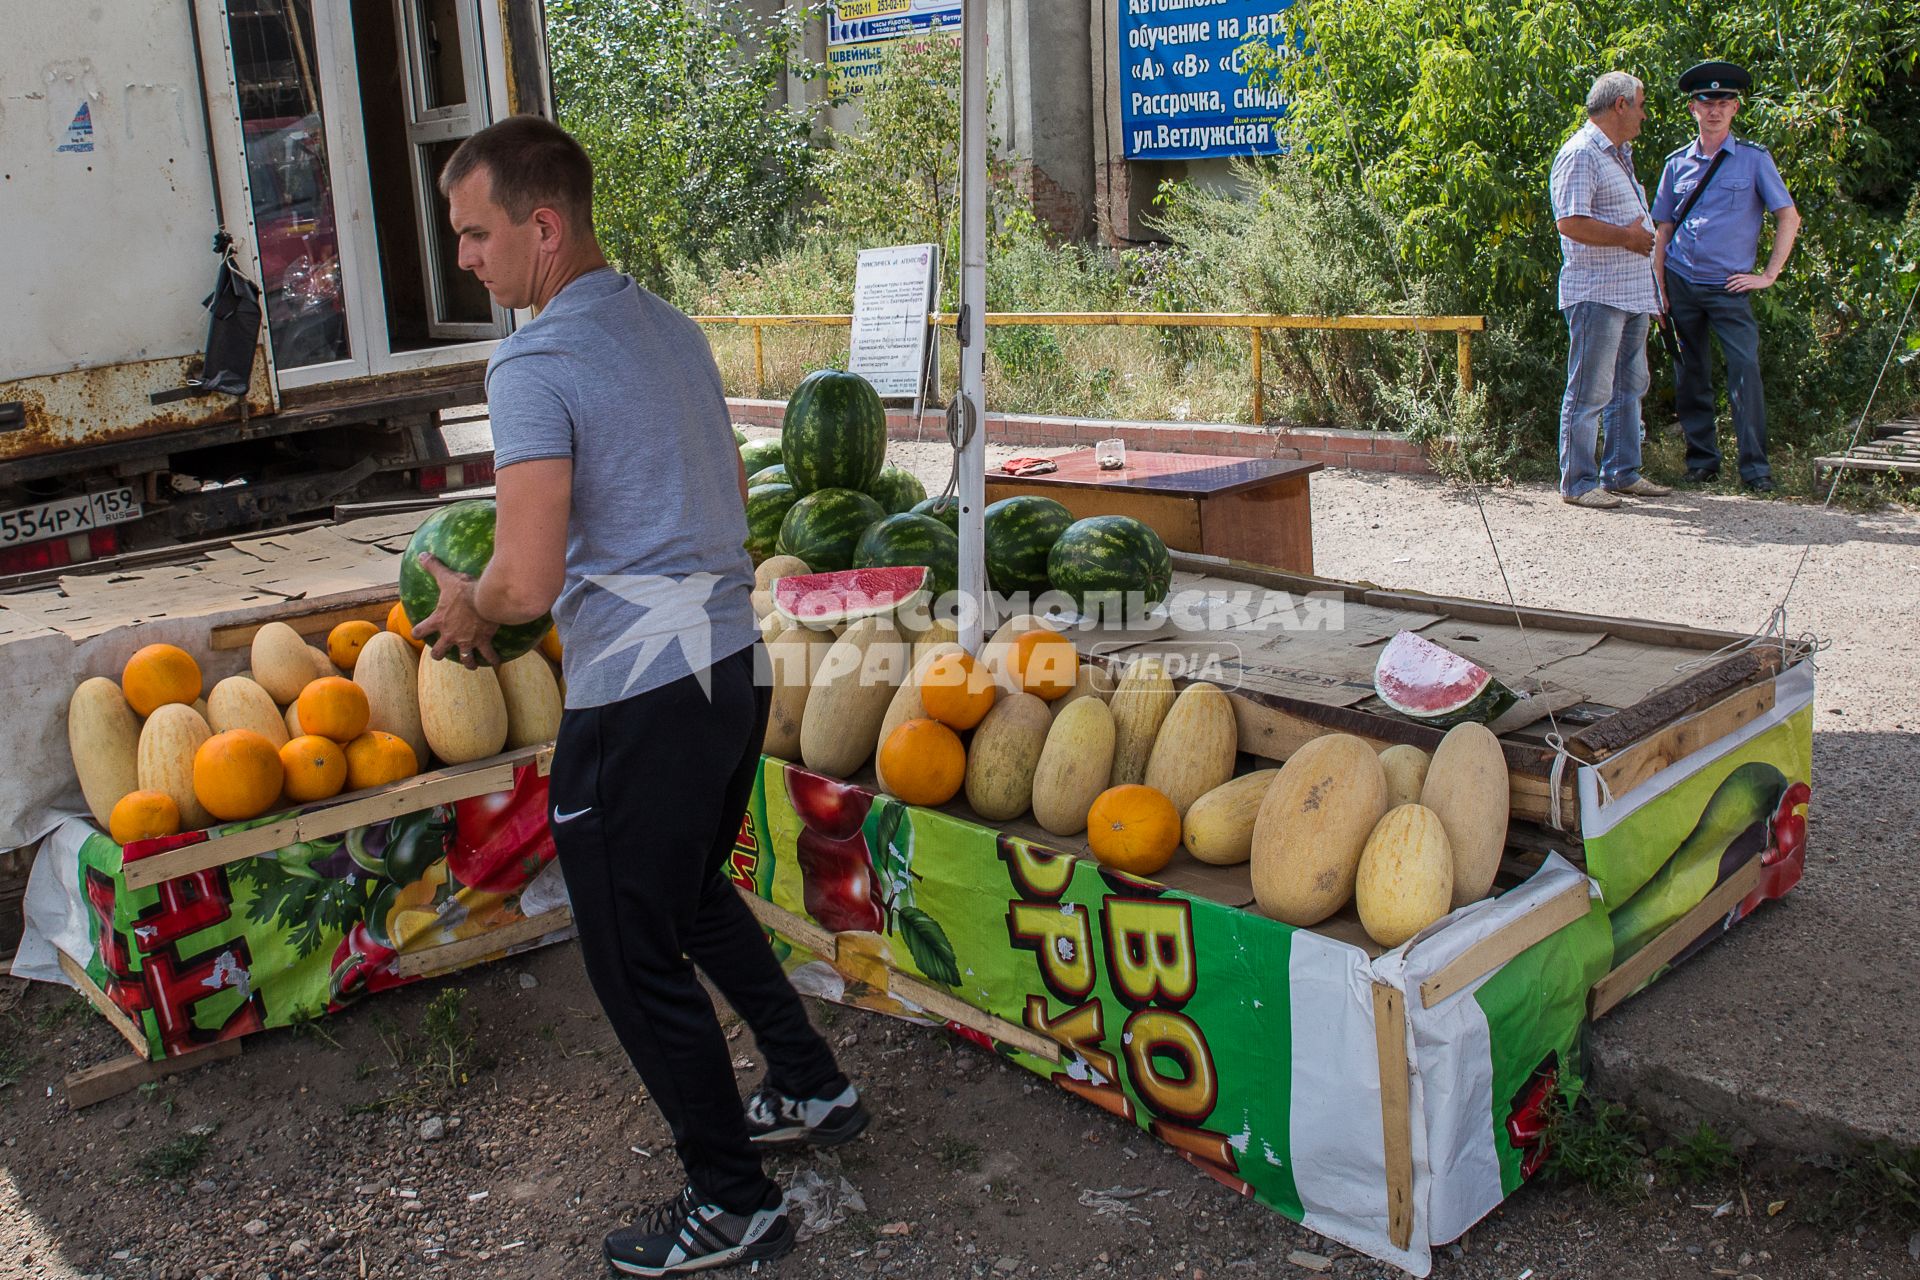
x=758 y=455
x=1100 y=560
x=908 y=539
x=1020 y=533
x=897 y=489
x=945 y=510
x=460 y=536
x=823 y=528
x=739 y=437
x=775 y=474
x=834 y=435
x=767 y=506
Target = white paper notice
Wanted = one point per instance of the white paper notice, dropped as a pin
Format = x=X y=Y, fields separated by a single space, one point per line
x=893 y=293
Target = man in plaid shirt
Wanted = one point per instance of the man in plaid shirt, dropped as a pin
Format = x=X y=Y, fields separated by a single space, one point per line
x=1607 y=293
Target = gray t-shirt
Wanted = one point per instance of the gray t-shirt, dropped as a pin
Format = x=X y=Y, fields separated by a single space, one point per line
x=658 y=583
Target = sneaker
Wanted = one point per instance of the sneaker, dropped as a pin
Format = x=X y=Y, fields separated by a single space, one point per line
x=1643 y=488
x=1596 y=499
x=684 y=1235
x=775 y=1120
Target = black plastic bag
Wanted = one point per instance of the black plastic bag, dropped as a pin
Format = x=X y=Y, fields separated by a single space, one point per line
x=233 y=332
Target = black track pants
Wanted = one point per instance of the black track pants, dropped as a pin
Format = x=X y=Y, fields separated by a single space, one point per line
x=647 y=797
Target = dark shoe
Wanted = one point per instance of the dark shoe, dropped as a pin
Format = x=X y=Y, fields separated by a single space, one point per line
x=1762 y=485
x=683 y=1235
x=1701 y=475
x=774 y=1120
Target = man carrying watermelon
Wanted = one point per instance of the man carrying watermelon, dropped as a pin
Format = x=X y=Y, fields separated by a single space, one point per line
x=617 y=479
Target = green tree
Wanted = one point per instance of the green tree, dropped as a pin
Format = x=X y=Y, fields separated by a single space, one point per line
x=673 y=99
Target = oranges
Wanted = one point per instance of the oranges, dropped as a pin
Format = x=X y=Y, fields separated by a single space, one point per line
x=1133 y=828
x=237 y=775
x=345 y=641
x=143 y=815
x=1044 y=663
x=550 y=643
x=157 y=675
x=398 y=624
x=923 y=762
x=315 y=768
x=333 y=707
x=374 y=759
x=956 y=690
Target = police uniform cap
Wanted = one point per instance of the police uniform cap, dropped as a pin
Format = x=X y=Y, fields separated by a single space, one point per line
x=1718 y=78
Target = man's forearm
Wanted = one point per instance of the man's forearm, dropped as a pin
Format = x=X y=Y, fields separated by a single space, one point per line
x=497 y=599
x=1786 y=230
x=1605 y=235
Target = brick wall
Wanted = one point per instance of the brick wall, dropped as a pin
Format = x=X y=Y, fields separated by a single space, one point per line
x=1366 y=450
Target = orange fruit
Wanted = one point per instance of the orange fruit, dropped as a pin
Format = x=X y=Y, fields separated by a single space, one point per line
x=237 y=775
x=1133 y=828
x=374 y=759
x=957 y=691
x=157 y=675
x=550 y=643
x=398 y=624
x=316 y=768
x=143 y=815
x=924 y=762
x=333 y=707
x=1044 y=663
x=345 y=641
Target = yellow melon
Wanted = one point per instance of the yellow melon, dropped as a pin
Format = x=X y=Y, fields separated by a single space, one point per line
x=849 y=696
x=168 y=742
x=282 y=662
x=1140 y=704
x=239 y=703
x=1219 y=825
x=1004 y=755
x=462 y=711
x=1467 y=787
x=104 y=738
x=1405 y=879
x=1074 y=765
x=1313 y=823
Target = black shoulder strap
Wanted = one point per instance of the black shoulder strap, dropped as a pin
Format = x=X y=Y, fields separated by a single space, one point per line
x=1705 y=178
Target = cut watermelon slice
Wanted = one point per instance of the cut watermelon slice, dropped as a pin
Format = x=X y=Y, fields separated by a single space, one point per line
x=829 y=599
x=1436 y=686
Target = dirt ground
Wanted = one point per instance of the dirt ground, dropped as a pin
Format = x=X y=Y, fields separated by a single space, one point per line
x=368 y=1145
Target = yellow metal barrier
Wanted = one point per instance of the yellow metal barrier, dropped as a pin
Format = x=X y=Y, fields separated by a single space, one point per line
x=1463 y=327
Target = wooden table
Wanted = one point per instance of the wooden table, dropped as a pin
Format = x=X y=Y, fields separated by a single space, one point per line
x=1252 y=509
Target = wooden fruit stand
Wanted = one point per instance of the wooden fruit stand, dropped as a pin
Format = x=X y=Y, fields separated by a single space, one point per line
x=1264 y=1053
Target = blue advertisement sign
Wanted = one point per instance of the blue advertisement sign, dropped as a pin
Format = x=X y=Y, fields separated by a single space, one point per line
x=1183 y=79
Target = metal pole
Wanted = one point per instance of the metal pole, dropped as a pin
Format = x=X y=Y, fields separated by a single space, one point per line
x=1466 y=361
x=1259 y=381
x=972 y=327
x=759 y=365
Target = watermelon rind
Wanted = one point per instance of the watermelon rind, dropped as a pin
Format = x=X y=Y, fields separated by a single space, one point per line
x=1020 y=534
x=1110 y=565
x=460 y=536
x=909 y=539
x=775 y=474
x=767 y=507
x=824 y=527
x=944 y=509
x=897 y=490
x=829 y=599
x=834 y=433
x=1434 y=685
x=758 y=455
x=739 y=437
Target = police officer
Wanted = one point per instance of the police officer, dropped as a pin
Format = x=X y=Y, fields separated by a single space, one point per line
x=1707 y=236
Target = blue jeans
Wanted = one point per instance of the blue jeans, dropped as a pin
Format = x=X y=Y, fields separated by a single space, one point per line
x=1606 y=376
x=1698 y=310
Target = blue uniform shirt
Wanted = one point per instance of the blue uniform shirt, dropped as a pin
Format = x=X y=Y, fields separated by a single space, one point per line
x=1722 y=231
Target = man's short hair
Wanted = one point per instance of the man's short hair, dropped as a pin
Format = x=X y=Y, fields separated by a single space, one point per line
x=1615 y=86
x=534 y=164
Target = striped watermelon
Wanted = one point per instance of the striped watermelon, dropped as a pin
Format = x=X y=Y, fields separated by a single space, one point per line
x=758 y=455
x=823 y=528
x=1021 y=532
x=739 y=437
x=908 y=539
x=1102 y=559
x=775 y=474
x=460 y=536
x=767 y=506
x=834 y=434
x=897 y=489
x=945 y=510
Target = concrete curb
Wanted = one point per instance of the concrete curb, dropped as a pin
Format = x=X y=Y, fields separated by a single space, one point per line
x=1364 y=450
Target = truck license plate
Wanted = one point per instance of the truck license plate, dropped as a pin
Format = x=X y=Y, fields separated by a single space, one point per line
x=68 y=516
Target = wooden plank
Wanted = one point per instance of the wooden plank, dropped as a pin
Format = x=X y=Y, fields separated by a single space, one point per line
x=942 y=1004
x=1269 y=525
x=315 y=622
x=1396 y=1110
x=1629 y=725
x=1488 y=954
x=1647 y=757
x=442 y=786
x=1868 y=464
x=458 y=955
x=124 y=1075
x=1646 y=631
x=122 y=1021
x=1625 y=979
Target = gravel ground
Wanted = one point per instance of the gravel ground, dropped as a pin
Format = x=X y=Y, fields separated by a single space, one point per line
x=977 y=1169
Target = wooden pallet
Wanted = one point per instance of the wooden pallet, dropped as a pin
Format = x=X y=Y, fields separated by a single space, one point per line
x=1894 y=449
